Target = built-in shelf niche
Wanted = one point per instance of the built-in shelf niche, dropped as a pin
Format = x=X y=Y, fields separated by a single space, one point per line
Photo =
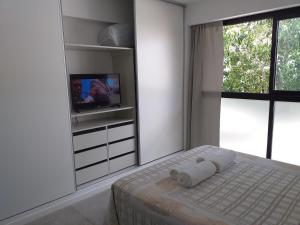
x=83 y=34
x=85 y=56
x=114 y=11
x=81 y=31
x=99 y=62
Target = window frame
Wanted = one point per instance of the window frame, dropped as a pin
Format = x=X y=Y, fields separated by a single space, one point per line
x=273 y=95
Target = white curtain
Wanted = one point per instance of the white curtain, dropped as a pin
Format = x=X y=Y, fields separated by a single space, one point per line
x=205 y=83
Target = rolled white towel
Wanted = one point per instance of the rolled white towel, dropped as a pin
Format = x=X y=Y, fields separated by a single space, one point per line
x=222 y=159
x=174 y=171
x=196 y=173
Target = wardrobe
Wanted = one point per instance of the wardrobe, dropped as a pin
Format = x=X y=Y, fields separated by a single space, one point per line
x=37 y=160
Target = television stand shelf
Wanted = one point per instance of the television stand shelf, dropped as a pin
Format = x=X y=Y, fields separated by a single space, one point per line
x=96 y=123
x=99 y=111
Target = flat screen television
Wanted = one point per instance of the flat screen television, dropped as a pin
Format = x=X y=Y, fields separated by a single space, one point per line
x=95 y=90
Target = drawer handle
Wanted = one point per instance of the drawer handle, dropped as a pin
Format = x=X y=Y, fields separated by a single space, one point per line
x=121 y=140
x=88 y=131
x=119 y=125
x=94 y=164
x=118 y=156
x=91 y=148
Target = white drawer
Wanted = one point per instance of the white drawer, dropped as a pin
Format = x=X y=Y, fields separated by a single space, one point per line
x=121 y=147
x=88 y=140
x=122 y=162
x=89 y=157
x=91 y=173
x=121 y=132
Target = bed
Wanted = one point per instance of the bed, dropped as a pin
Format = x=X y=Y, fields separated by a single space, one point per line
x=252 y=191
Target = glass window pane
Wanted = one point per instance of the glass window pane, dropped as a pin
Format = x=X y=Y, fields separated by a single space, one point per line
x=247 y=48
x=286 y=139
x=288 y=55
x=244 y=125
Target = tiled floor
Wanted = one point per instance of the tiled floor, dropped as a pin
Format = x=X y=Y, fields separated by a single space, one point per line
x=90 y=211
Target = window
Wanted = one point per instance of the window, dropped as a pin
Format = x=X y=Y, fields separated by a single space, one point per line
x=261 y=85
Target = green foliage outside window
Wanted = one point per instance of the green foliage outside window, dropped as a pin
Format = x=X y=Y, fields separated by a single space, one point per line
x=247 y=56
x=288 y=55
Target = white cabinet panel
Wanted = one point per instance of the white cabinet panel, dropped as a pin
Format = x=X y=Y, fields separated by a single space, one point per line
x=159 y=44
x=36 y=162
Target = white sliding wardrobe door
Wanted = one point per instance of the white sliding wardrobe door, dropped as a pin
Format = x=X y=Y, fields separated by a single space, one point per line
x=159 y=44
x=36 y=163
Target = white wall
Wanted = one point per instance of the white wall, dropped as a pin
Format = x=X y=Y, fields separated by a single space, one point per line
x=213 y=10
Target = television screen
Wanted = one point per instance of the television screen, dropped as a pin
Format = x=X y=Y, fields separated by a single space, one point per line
x=95 y=90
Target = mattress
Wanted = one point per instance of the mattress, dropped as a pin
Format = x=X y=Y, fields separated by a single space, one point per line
x=252 y=191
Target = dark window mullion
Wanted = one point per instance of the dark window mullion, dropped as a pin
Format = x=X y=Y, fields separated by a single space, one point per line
x=273 y=56
x=282 y=96
x=270 y=129
x=288 y=13
x=272 y=87
x=242 y=95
